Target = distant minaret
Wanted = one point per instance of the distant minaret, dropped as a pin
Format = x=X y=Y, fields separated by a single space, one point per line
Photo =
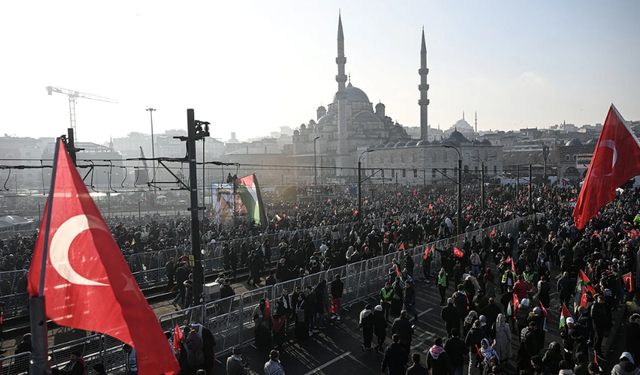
x=423 y=88
x=341 y=78
x=476 y=124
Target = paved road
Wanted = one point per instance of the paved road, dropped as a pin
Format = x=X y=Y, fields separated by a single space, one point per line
x=337 y=349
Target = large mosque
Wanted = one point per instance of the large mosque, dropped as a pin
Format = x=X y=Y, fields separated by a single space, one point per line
x=350 y=128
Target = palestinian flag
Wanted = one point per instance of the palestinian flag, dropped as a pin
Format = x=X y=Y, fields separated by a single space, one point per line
x=493 y=232
x=426 y=252
x=628 y=281
x=564 y=315
x=582 y=280
x=398 y=273
x=249 y=191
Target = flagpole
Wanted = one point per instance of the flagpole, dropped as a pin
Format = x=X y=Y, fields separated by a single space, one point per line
x=37 y=307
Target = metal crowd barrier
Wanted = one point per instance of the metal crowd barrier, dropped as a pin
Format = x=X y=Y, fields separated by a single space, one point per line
x=231 y=319
x=15 y=364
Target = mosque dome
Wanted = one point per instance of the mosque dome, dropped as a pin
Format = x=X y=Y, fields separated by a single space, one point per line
x=354 y=95
x=379 y=105
x=400 y=144
x=592 y=142
x=390 y=144
x=573 y=143
x=327 y=119
x=380 y=145
x=486 y=142
x=424 y=142
x=435 y=142
x=367 y=117
x=456 y=138
x=412 y=142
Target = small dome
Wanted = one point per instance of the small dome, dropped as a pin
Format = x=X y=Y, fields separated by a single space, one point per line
x=390 y=144
x=486 y=142
x=435 y=142
x=303 y=127
x=365 y=116
x=400 y=144
x=412 y=142
x=380 y=105
x=327 y=119
x=573 y=143
x=380 y=145
x=476 y=142
x=457 y=138
x=592 y=142
x=296 y=132
x=322 y=108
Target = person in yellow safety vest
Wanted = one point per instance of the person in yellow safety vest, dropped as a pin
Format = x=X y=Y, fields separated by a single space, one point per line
x=528 y=275
x=443 y=283
x=386 y=294
x=508 y=279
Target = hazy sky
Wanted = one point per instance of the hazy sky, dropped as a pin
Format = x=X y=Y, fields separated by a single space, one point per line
x=252 y=66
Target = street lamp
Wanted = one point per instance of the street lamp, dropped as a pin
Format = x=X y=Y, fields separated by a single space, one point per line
x=153 y=152
x=459 y=218
x=482 y=189
x=315 y=172
x=360 y=183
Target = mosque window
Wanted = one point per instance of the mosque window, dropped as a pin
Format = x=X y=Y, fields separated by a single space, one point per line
x=433 y=173
x=404 y=173
x=567 y=157
x=393 y=173
x=495 y=169
x=444 y=171
x=415 y=171
x=382 y=173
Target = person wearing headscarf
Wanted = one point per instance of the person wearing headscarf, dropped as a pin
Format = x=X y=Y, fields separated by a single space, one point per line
x=366 y=322
x=438 y=359
x=626 y=366
x=472 y=316
x=487 y=351
x=502 y=334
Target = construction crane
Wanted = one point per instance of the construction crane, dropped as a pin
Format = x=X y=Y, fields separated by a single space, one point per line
x=73 y=95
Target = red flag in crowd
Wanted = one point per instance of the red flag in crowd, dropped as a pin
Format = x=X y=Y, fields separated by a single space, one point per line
x=430 y=207
x=513 y=266
x=590 y=289
x=493 y=233
x=426 y=252
x=267 y=311
x=509 y=259
x=516 y=303
x=87 y=283
x=595 y=358
x=615 y=160
x=401 y=246
x=582 y=280
x=398 y=273
x=583 y=298
x=177 y=338
x=457 y=253
x=628 y=281
x=544 y=311
x=634 y=234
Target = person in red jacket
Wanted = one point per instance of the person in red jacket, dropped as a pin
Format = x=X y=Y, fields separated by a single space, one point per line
x=521 y=289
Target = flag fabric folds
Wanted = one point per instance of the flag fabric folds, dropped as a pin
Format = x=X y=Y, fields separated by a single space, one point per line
x=249 y=191
x=88 y=284
x=628 y=281
x=615 y=160
x=564 y=315
x=457 y=252
x=582 y=281
x=177 y=338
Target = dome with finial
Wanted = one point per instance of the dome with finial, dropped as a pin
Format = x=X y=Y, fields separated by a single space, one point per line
x=380 y=105
x=354 y=95
x=456 y=138
x=423 y=142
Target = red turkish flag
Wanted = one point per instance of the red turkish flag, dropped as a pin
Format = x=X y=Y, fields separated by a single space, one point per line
x=615 y=160
x=457 y=252
x=87 y=283
x=628 y=281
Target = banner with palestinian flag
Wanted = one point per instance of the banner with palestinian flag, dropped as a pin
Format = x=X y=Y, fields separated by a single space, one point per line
x=564 y=315
x=248 y=190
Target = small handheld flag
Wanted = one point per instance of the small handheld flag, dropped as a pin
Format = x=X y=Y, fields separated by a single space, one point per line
x=457 y=253
x=564 y=315
x=628 y=281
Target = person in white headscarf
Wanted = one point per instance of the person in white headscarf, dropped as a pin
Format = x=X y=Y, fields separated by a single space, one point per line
x=502 y=333
x=626 y=366
x=487 y=351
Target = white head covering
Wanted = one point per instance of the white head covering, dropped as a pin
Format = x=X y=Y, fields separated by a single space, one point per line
x=628 y=356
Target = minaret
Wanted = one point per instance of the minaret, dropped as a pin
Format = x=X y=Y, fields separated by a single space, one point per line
x=476 y=124
x=341 y=96
x=423 y=87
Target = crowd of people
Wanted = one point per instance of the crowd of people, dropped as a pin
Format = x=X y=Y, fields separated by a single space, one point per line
x=495 y=291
